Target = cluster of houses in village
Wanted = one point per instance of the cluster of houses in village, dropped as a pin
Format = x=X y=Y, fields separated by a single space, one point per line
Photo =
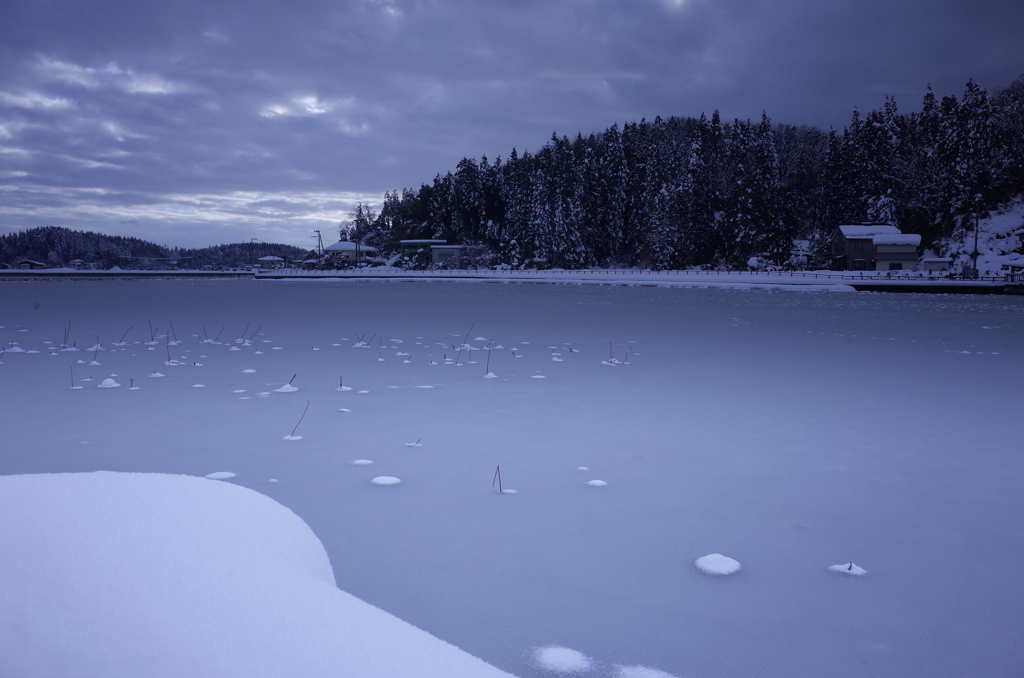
x=346 y=253
x=860 y=247
x=853 y=247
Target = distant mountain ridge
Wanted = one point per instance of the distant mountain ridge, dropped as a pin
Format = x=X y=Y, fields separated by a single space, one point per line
x=58 y=247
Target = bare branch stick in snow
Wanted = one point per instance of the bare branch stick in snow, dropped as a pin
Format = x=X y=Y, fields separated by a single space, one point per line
x=292 y=434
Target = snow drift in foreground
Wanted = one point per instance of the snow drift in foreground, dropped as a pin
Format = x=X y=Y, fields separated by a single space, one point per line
x=139 y=574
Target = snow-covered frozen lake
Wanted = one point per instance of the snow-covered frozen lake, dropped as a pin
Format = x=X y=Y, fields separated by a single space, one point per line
x=787 y=431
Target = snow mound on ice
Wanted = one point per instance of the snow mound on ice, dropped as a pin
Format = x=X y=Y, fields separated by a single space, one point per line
x=385 y=480
x=156 y=374
x=194 y=579
x=220 y=475
x=287 y=388
x=361 y=462
x=596 y=483
x=640 y=672
x=249 y=371
x=716 y=563
x=851 y=569
x=562 y=659
x=107 y=383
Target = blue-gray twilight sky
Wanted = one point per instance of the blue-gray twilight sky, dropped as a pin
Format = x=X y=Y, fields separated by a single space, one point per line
x=197 y=122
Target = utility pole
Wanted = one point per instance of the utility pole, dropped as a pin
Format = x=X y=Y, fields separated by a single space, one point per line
x=319 y=248
x=977 y=219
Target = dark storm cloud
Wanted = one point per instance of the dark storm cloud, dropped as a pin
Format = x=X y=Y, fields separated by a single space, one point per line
x=198 y=122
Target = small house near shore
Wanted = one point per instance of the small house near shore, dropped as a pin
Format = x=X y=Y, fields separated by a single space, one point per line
x=933 y=263
x=873 y=247
x=410 y=248
x=268 y=262
x=439 y=252
x=30 y=265
x=447 y=255
x=348 y=252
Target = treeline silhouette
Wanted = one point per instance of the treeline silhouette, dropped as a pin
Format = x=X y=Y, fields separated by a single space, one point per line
x=686 y=192
x=58 y=247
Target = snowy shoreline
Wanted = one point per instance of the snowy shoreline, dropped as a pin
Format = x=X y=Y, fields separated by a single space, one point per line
x=771 y=281
x=778 y=281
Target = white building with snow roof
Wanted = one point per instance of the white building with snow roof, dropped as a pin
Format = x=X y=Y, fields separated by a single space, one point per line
x=348 y=252
x=873 y=247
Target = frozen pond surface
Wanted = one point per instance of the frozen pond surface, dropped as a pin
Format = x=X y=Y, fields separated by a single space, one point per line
x=789 y=431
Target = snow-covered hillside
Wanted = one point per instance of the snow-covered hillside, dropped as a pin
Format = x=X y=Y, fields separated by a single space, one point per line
x=999 y=241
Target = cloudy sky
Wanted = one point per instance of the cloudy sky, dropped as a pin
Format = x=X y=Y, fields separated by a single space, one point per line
x=196 y=122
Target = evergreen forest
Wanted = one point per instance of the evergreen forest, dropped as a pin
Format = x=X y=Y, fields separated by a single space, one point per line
x=701 y=192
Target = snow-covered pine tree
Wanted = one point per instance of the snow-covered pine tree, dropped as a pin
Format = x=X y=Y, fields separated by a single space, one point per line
x=468 y=202
x=1008 y=123
x=564 y=245
x=607 y=233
